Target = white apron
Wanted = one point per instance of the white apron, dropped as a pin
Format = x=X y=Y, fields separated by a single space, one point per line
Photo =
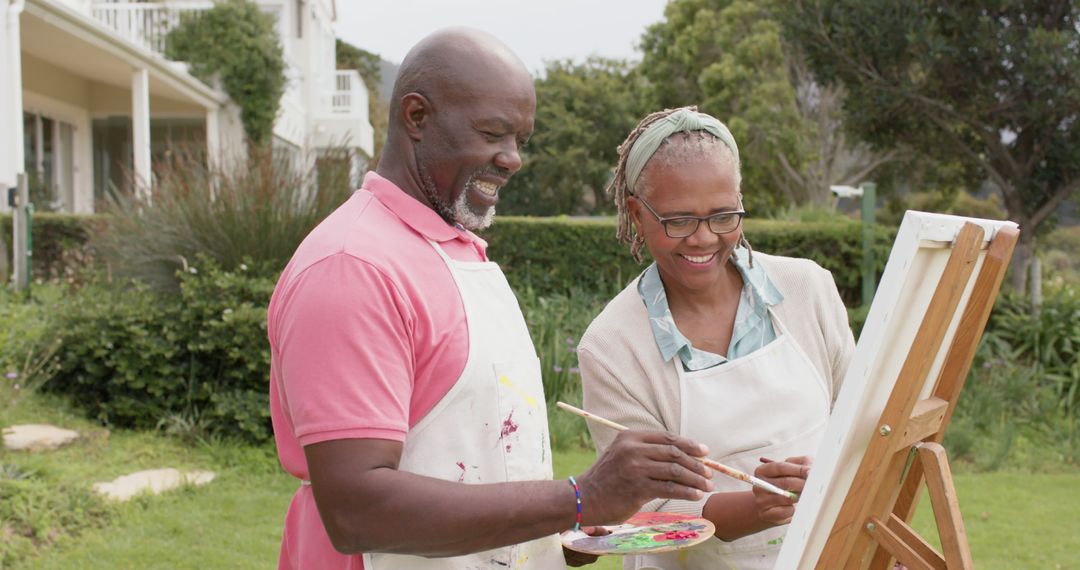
x=770 y=403
x=491 y=426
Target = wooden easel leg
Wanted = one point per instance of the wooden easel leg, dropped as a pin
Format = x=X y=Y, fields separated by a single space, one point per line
x=899 y=540
x=939 y=482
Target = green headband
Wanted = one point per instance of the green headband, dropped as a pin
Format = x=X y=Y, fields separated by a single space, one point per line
x=683 y=120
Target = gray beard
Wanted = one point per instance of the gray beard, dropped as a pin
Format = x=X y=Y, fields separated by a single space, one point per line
x=469 y=218
x=460 y=212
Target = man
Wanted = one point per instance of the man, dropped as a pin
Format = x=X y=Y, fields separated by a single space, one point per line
x=405 y=391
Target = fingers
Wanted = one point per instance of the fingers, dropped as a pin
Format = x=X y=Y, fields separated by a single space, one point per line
x=576 y=559
x=785 y=473
x=596 y=531
x=640 y=466
x=687 y=446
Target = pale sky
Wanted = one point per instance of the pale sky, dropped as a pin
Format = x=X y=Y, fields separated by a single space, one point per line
x=537 y=30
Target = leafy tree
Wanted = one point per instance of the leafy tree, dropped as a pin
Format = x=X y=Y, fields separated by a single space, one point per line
x=993 y=86
x=238 y=43
x=584 y=111
x=726 y=56
x=367 y=63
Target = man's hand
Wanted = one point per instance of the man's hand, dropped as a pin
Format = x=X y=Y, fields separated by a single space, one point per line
x=789 y=474
x=638 y=467
x=575 y=558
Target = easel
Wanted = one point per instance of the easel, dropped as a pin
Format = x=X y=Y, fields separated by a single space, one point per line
x=872 y=527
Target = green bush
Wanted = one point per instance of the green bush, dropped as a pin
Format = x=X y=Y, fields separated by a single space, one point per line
x=1019 y=405
x=237 y=42
x=60 y=243
x=138 y=358
x=1047 y=339
x=561 y=255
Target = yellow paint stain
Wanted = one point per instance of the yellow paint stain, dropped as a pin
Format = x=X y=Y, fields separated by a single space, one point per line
x=682 y=556
x=505 y=381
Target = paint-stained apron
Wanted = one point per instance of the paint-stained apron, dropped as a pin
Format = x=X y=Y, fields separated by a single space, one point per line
x=770 y=403
x=491 y=426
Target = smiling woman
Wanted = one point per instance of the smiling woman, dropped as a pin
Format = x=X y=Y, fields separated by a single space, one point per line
x=709 y=342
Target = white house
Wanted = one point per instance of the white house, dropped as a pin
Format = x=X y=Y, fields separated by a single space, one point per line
x=87 y=96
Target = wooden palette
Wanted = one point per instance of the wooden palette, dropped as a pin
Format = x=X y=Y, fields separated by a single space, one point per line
x=643 y=533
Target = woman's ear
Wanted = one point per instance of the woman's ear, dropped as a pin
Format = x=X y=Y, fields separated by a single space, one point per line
x=415 y=113
x=633 y=206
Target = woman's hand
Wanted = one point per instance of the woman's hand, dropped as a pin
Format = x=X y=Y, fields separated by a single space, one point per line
x=789 y=474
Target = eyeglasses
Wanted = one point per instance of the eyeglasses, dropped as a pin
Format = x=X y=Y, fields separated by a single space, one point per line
x=685 y=226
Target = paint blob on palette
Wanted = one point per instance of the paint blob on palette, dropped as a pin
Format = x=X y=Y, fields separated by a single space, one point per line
x=643 y=533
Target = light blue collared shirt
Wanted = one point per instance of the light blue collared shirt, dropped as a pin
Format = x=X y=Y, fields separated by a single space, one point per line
x=753 y=326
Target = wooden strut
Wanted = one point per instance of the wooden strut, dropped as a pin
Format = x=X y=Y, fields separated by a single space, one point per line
x=871 y=530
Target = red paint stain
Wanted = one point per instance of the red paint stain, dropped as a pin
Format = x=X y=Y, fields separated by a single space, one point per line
x=508 y=426
x=675 y=535
x=461 y=466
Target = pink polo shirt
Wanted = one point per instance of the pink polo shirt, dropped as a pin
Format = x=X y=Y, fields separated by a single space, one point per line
x=367 y=333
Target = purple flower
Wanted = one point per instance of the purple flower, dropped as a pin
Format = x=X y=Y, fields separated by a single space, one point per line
x=557 y=368
x=575 y=370
x=11 y=375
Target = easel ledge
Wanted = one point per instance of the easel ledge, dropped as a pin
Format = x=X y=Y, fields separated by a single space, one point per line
x=872 y=527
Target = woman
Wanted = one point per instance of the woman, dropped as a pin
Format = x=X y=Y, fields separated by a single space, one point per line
x=743 y=352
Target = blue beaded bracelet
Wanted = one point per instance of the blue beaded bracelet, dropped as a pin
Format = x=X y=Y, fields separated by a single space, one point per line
x=577 y=497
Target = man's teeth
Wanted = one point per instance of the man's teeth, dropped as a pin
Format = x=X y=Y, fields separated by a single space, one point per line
x=698 y=258
x=487 y=188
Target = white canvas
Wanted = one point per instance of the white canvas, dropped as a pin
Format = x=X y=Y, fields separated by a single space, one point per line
x=914 y=267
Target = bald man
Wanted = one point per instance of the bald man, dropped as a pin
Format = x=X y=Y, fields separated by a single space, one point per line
x=405 y=391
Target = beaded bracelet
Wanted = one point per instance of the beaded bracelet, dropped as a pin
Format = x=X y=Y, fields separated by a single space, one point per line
x=577 y=497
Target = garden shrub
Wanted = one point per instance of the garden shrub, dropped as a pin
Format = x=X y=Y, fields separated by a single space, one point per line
x=60 y=243
x=136 y=358
x=260 y=213
x=236 y=42
x=1019 y=404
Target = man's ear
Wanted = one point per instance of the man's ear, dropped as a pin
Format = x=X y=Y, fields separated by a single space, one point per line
x=415 y=113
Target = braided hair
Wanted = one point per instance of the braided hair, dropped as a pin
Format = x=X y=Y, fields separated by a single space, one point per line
x=620 y=189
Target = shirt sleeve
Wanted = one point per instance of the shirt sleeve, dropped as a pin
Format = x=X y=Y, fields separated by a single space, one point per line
x=345 y=353
x=606 y=394
x=837 y=333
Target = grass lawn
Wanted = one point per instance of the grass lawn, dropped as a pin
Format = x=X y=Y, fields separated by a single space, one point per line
x=1013 y=520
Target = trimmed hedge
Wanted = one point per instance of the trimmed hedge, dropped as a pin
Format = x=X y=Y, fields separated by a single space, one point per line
x=561 y=255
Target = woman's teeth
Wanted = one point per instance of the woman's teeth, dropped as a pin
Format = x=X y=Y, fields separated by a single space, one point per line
x=698 y=258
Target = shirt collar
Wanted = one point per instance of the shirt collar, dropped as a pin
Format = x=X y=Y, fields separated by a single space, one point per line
x=668 y=338
x=418 y=216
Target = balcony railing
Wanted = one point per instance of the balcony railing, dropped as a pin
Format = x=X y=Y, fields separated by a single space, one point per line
x=147 y=24
x=350 y=96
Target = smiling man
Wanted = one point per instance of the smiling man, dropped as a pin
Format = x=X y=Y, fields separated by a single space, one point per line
x=405 y=391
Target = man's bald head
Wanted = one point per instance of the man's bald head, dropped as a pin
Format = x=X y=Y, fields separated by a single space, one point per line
x=463 y=106
x=454 y=61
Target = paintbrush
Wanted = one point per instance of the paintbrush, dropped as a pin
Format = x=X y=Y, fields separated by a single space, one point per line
x=729 y=471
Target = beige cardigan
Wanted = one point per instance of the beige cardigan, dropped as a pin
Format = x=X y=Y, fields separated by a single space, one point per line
x=627 y=381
